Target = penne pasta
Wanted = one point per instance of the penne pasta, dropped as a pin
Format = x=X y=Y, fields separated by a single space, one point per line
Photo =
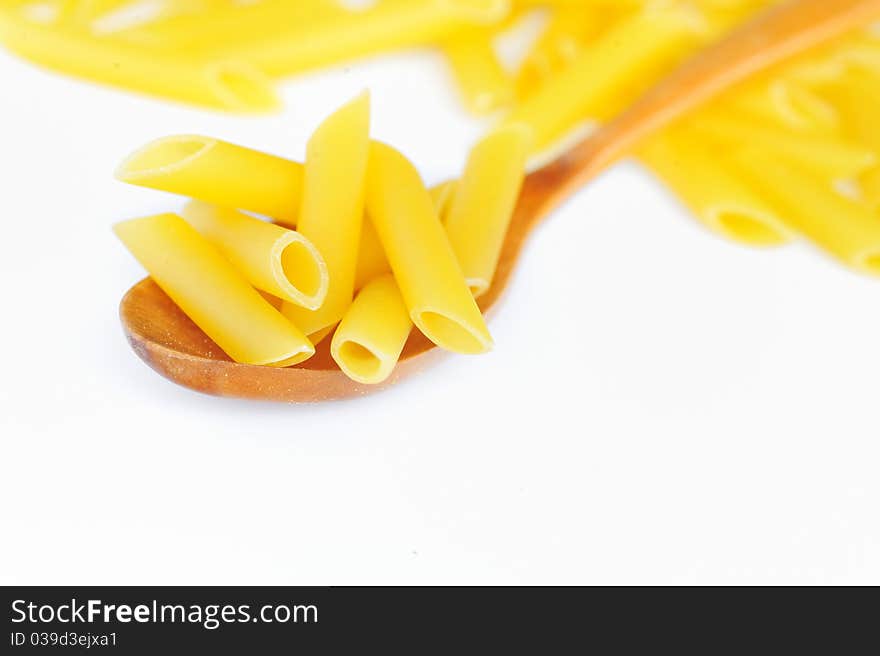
x=712 y=189
x=273 y=259
x=421 y=258
x=484 y=202
x=333 y=207
x=388 y=25
x=562 y=41
x=831 y=156
x=211 y=293
x=219 y=173
x=195 y=32
x=223 y=85
x=371 y=336
x=372 y=262
x=844 y=228
x=482 y=82
x=619 y=65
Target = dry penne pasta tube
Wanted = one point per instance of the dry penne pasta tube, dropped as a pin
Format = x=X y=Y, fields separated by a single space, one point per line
x=333 y=208
x=212 y=293
x=219 y=173
x=421 y=258
x=215 y=84
x=273 y=259
x=485 y=198
x=713 y=190
x=372 y=262
x=371 y=336
x=388 y=25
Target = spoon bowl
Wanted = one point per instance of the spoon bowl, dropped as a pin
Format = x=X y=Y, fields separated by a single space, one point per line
x=167 y=340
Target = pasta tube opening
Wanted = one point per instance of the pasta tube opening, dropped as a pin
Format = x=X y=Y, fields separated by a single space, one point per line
x=300 y=269
x=373 y=332
x=358 y=362
x=163 y=157
x=220 y=173
x=453 y=333
x=274 y=259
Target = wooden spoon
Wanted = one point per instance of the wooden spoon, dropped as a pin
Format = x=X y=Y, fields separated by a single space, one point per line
x=175 y=347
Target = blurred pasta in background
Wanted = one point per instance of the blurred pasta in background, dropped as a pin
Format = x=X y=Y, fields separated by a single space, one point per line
x=225 y=54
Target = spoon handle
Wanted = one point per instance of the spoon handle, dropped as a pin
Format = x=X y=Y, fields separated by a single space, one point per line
x=787 y=30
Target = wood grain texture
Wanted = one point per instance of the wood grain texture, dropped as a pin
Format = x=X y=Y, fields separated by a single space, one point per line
x=176 y=348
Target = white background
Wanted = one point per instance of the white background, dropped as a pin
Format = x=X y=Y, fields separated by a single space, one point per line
x=662 y=406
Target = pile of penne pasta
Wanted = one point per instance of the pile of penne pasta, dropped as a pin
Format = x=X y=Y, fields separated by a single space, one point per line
x=592 y=56
x=374 y=253
x=794 y=154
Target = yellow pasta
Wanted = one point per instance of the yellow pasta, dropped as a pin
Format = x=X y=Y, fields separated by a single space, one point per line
x=219 y=173
x=192 y=32
x=483 y=83
x=388 y=25
x=321 y=335
x=789 y=104
x=870 y=187
x=442 y=195
x=333 y=207
x=371 y=336
x=484 y=202
x=846 y=229
x=829 y=156
x=622 y=62
x=723 y=15
x=220 y=85
x=862 y=52
x=430 y=279
x=273 y=259
x=562 y=41
x=88 y=10
x=210 y=291
x=857 y=97
x=708 y=185
x=372 y=262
